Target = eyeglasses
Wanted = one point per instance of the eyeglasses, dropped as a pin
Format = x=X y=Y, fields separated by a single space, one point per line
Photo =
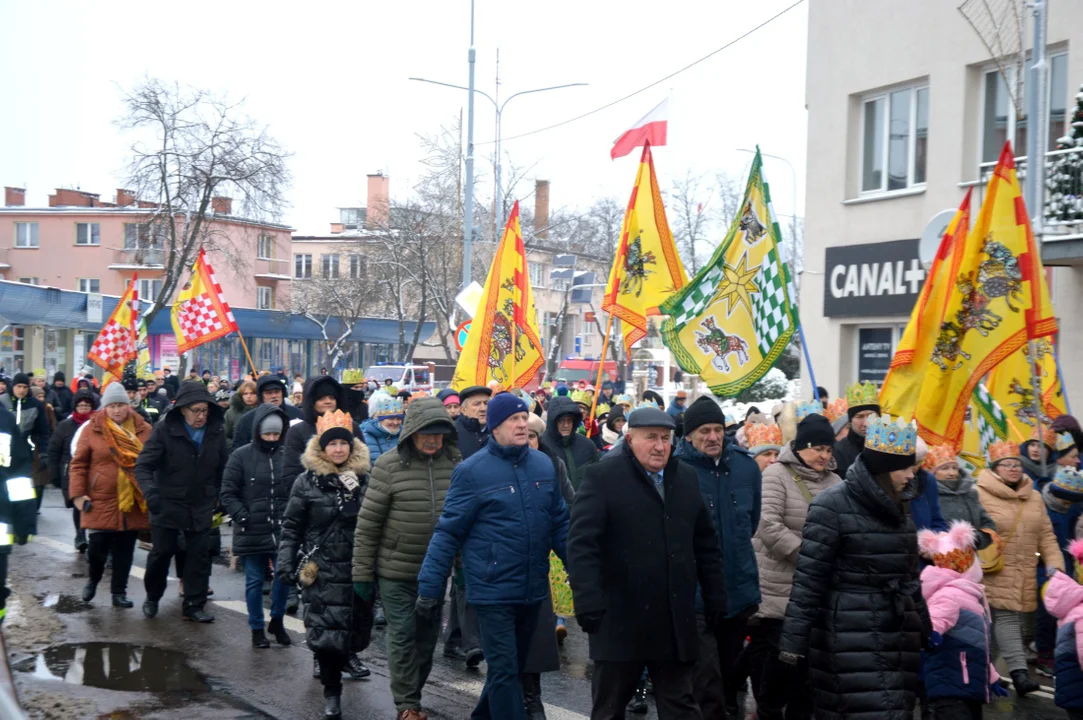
x=192 y=410
x=1010 y=466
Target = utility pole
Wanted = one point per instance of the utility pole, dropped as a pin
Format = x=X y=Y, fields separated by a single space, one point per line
x=468 y=210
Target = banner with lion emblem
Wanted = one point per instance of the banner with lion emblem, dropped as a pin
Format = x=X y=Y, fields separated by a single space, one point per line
x=733 y=320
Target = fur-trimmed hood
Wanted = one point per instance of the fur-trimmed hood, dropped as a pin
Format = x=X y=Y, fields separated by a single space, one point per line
x=315 y=459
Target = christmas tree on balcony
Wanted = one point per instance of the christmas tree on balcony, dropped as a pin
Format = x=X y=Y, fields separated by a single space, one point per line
x=1064 y=183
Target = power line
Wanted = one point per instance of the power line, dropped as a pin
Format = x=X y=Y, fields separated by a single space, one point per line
x=709 y=55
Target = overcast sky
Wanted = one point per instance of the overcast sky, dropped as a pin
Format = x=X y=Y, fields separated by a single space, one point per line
x=330 y=79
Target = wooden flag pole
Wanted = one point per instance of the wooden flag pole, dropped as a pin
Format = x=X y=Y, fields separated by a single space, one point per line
x=1036 y=385
x=255 y=374
x=601 y=367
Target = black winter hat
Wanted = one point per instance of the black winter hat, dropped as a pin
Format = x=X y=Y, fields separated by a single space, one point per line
x=86 y=395
x=59 y=377
x=703 y=411
x=20 y=379
x=879 y=463
x=814 y=430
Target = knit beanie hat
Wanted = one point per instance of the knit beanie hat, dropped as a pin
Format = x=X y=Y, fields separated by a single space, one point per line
x=59 y=377
x=271 y=424
x=22 y=379
x=812 y=431
x=501 y=407
x=114 y=393
x=85 y=396
x=535 y=425
x=1067 y=484
x=702 y=412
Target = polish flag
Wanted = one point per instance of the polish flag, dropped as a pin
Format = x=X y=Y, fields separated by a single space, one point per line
x=650 y=128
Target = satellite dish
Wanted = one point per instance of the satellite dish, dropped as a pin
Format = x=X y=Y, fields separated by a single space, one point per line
x=932 y=235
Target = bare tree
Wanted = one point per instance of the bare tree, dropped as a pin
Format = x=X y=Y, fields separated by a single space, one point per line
x=193 y=147
x=691 y=201
x=729 y=191
x=335 y=304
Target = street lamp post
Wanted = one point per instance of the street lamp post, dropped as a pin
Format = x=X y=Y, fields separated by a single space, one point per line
x=499 y=108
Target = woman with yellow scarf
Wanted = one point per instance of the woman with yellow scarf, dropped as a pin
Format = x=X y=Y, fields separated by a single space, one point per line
x=102 y=486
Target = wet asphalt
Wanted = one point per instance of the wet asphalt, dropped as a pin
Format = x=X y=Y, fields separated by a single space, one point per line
x=77 y=660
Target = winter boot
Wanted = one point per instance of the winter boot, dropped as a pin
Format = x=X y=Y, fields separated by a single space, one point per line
x=531 y=684
x=120 y=600
x=332 y=707
x=279 y=631
x=89 y=591
x=150 y=608
x=638 y=705
x=1023 y=684
x=355 y=668
x=259 y=640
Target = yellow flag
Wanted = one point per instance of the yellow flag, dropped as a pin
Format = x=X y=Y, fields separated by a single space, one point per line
x=1011 y=383
x=902 y=386
x=996 y=302
x=646 y=269
x=505 y=319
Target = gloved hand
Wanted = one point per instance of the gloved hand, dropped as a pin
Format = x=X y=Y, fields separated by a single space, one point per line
x=427 y=607
x=788 y=658
x=364 y=590
x=935 y=640
x=998 y=690
x=590 y=622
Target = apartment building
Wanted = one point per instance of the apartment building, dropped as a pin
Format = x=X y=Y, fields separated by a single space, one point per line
x=906 y=111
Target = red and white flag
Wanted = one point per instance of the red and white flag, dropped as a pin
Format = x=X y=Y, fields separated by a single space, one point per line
x=116 y=343
x=650 y=128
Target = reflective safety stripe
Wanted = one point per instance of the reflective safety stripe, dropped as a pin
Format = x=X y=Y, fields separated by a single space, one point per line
x=6 y=538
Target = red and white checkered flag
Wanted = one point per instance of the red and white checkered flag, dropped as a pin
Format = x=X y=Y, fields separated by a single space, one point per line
x=116 y=344
x=201 y=314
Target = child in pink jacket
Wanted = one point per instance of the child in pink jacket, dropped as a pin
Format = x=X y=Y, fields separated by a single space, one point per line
x=1063 y=598
x=959 y=677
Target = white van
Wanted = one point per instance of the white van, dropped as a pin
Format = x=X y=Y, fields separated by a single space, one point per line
x=402 y=377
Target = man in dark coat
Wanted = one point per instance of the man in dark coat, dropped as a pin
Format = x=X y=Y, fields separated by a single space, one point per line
x=63 y=405
x=641 y=535
x=18 y=509
x=180 y=473
x=270 y=389
x=563 y=439
x=255 y=490
x=730 y=482
x=505 y=512
x=323 y=394
x=152 y=404
x=470 y=425
x=171 y=383
x=84 y=403
x=863 y=404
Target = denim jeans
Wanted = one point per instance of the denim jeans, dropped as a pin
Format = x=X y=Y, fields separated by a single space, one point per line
x=254 y=569
x=506 y=631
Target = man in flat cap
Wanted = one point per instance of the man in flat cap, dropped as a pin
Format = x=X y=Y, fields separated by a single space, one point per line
x=640 y=538
x=470 y=425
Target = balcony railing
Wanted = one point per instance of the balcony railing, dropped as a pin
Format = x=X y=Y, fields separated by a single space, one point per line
x=5 y=263
x=1063 y=185
x=146 y=257
x=272 y=266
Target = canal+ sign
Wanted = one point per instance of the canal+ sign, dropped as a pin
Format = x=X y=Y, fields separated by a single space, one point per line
x=870 y=280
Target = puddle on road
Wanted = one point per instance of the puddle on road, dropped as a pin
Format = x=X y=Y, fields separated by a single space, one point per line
x=116 y=666
x=63 y=604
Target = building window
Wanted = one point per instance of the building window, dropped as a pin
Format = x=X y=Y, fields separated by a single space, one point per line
x=264 y=298
x=588 y=326
x=30 y=281
x=265 y=247
x=351 y=218
x=89 y=285
x=329 y=266
x=302 y=266
x=87 y=234
x=148 y=289
x=999 y=120
x=895 y=137
x=537 y=274
x=26 y=234
x=357 y=267
x=142 y=235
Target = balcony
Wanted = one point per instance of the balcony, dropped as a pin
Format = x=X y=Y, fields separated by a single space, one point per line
x=5 y=262
x=152 y=258
x=272 y=268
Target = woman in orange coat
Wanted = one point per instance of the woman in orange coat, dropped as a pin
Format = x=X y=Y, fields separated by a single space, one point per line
x=103 y=487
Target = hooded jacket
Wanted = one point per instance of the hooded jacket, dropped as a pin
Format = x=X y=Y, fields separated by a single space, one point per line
x=377 y=439
x=1025 y=529
x=299 y=433
x=181 y=481
x=256 y=488
x=846 y=451
x=576 y=450
x=318 y=527
x=782 y=518
x=236 y=410
x=242 y=433
x=731 y=488
x=94 y=474
x=63 y=405
x=960 y=667
x=404 y=500
x=856 y=610
x=961 y=503
x=1063 y=599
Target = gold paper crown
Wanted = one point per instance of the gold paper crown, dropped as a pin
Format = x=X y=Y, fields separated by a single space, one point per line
x=836 y=408
x=863 y=393
x=1048 y=438
x=939 y=455
x=336 y=419
x=353 y=376
x=1002 y=450
x=761 y=434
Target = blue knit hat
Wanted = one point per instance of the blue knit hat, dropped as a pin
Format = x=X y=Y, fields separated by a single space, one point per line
x=1067 y=484
x=503 y=406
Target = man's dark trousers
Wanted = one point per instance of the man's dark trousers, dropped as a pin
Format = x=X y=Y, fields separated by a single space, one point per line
x=506 y=631
x=197 y=564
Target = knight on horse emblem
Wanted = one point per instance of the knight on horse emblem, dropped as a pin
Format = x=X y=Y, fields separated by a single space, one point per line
x=716 y=341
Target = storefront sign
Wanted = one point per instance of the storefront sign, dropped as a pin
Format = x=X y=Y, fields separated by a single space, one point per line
x=93 y=308
x=871 y=280
x=167 y=353
x=874 y=350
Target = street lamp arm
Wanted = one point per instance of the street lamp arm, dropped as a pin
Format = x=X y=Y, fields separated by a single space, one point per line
x=537 y=90
x=457 y=87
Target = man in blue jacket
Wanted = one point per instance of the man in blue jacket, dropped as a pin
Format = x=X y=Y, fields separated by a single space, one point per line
x=504 y=511
x=730 y=482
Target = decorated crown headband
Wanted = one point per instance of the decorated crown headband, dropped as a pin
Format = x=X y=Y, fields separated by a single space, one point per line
x=809 y=408
x=384 y=405
x=1065 y=441
x=1002 y=450
x=862 y=393
x=336 y=419
x=836 y=408
x=939 y=455
x=1048 y=437
x=763 y=434
x=891 y=437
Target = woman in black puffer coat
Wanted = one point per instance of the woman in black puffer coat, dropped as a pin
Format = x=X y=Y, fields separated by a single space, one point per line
x=255 y=490
x=317 y=548
x=856 y=611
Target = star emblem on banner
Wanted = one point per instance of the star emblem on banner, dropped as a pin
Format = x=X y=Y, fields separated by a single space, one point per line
x=736 y=285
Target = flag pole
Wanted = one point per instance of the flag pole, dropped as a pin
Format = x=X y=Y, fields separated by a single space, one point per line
x=601 y=368
x=247 y=354
x=514 y=327
x=808 y=362
x=1063 y=387
x=1036 y=385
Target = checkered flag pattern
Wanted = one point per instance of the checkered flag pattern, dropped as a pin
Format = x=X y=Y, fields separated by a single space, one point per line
x=113 y=346
x=769 y=315
x=699 y=297
x=197 y=317
x=992 y=423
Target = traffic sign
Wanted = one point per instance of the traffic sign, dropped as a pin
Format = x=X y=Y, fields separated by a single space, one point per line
x=460 y=334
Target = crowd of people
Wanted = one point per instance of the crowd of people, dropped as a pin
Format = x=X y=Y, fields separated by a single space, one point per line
x=819 y=554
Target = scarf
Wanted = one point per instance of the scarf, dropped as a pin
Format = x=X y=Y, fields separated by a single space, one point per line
x=124 y=447
x=81 y=418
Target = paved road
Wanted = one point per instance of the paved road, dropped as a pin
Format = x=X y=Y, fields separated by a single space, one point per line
x=166 y=669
